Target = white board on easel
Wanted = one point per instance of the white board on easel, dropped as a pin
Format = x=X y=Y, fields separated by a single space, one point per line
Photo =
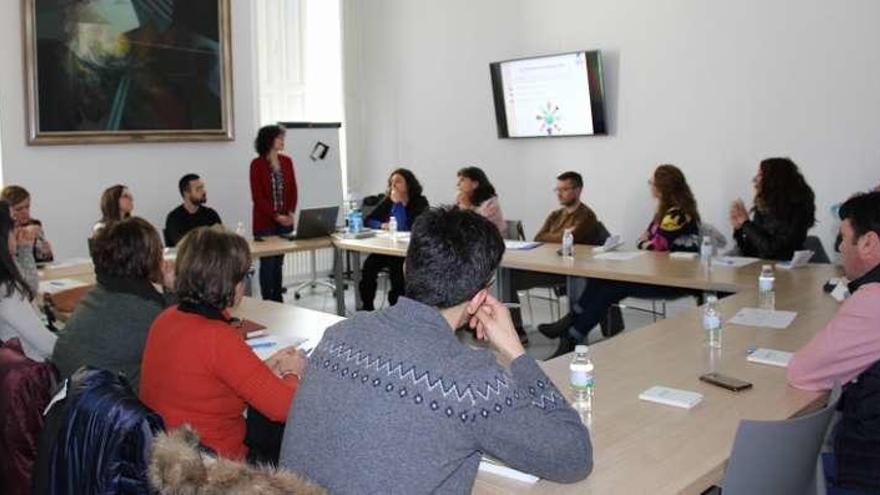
x=314 y=148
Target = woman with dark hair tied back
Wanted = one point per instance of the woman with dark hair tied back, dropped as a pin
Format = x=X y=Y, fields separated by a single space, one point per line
x=404 y=202
x=117 y=204
x=109 y=327
x=784 y=210
x=18 y=318
x=197 y=369
x=674 y=227
x=274 y=194
x=476 y=193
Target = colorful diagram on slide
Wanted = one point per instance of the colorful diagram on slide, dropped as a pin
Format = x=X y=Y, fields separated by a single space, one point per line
x=549 y=117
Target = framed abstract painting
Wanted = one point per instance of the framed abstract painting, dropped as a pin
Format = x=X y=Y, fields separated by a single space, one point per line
x=105 y=71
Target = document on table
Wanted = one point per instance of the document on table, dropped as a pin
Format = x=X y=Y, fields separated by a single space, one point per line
x=754 y=317
x=70 y=262
x=619 y=255
x=734 y=261
x=400 y=236
x=60 y=284
x=770 y=356
x=264 y=347
x=494 y=466
x=800 y=258
x=521 y=245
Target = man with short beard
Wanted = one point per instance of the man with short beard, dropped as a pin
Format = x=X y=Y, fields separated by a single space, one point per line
x=192 y=213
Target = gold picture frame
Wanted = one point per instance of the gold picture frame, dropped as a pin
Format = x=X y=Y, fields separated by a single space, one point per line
x=110 y=71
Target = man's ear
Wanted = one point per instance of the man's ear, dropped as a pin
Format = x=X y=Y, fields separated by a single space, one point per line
x=870 y=242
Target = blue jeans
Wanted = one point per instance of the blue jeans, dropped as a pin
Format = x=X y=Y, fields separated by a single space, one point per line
x=271 y=269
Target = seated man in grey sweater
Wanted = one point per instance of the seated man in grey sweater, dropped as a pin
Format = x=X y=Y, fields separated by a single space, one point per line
x=392 y=402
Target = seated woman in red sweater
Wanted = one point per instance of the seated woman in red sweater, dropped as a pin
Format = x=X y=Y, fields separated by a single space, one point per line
x=197 y=369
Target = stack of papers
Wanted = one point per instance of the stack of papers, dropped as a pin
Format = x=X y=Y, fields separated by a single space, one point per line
x=770 y=356
x=669 y=396
x=754 y=317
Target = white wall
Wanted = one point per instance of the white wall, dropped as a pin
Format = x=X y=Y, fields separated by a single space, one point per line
x=66 y=181
x=710 y=86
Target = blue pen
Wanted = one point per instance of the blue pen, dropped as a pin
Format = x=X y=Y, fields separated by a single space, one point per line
x=262 y=345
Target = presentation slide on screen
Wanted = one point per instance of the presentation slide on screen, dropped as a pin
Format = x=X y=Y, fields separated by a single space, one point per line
x=548 y=96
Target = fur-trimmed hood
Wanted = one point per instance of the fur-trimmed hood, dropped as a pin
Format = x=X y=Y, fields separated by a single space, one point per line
x=178 y=467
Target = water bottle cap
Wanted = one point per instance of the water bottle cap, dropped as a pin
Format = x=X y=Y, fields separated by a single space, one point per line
x=711 y=298
x=707 y=238
x=767 y=267
x=581 y=349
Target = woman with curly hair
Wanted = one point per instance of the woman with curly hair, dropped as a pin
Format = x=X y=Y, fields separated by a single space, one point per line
x=784 y=210
x=404 y=201
x=274 y=195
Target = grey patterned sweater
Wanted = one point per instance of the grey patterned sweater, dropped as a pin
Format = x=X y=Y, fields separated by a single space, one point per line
x=392 y=402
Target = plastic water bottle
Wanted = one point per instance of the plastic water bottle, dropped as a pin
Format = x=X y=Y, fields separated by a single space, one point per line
x=581 y=378
x=712 y=321
x=766 y=293
x=355 y=221
x=568 y=243
x=392 y=227
x=707 y=249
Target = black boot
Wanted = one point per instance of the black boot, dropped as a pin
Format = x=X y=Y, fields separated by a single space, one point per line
x=566 y=345
x=613 y=323
x=557 y=328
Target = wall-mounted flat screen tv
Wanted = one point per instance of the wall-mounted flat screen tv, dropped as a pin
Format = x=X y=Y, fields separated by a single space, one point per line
x=554 y=95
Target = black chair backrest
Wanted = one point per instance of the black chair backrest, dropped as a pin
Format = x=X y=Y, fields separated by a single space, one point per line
x=814 y=244
x=602 y=234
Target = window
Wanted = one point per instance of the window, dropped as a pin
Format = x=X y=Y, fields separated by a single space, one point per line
x=299 y=63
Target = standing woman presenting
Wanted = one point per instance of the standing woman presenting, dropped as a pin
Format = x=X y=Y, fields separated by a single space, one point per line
x=273 y=191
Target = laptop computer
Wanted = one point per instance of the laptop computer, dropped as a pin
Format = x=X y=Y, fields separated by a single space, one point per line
x=315 y=222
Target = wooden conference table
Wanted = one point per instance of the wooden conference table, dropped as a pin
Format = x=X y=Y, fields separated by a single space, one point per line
x=641 y=447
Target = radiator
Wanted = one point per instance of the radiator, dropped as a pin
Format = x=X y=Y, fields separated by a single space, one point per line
x=298 y=267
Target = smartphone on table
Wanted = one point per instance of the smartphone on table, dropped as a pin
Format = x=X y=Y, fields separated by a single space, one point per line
x=727 y=382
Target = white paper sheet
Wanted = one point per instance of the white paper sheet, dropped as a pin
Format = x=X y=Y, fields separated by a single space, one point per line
x=619 y=255
x=59 y=285
x=734 y=261
x=754 y=317
x=521 y=245
x=489 y=465
x=800 y=258
x=70 y=262
x=264 y=347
